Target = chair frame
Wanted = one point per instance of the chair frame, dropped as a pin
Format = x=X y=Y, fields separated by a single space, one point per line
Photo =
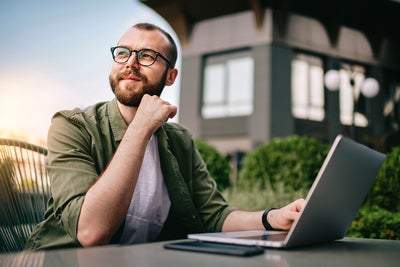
x=25 y=189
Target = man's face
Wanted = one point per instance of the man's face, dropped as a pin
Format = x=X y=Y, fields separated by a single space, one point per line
x=130 y=81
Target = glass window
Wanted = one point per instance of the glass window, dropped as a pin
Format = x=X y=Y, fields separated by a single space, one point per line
x=228 y=85
x=308 y=88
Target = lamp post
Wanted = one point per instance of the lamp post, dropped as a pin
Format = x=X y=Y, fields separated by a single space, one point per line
x=369 y=88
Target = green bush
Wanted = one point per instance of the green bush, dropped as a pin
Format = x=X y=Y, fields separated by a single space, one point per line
x=375 y=222
x=386 y=190
x=217 y=165
x=379 y=217
x=293 y=161
x=7 y=181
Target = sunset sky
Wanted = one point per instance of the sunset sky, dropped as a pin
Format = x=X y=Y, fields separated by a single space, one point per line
x=56 y=55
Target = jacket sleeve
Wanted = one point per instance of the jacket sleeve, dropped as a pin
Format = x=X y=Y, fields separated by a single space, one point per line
x=212 y=207
x=71 y=170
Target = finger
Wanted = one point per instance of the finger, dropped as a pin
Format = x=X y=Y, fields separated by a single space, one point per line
x=296 y=205
x=166 y=102
x=173 y=113
x=300 y=204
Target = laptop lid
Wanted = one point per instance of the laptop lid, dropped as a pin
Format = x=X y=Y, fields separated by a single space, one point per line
x=346 y=176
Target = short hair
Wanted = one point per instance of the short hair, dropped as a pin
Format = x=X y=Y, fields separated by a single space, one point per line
x=172 y=51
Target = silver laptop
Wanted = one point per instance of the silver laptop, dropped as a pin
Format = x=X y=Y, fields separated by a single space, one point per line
x=336 y=195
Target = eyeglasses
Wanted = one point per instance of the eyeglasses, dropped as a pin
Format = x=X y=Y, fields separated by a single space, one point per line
x=145 y=57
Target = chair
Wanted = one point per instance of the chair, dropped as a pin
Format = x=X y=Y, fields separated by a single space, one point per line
x=24 y=191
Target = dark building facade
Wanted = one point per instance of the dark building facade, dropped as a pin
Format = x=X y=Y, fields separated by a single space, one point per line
x=253 y=70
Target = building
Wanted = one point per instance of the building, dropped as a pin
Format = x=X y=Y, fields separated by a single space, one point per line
x=255 y=69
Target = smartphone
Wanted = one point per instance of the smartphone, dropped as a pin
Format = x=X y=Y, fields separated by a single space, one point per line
x=216 y=248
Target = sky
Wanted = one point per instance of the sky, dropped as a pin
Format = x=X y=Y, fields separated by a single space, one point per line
x=55 y=55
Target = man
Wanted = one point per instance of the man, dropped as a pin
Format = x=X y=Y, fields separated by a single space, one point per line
x=121 y=174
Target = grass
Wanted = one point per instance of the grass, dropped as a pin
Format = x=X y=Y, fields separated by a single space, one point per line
x=258 y=198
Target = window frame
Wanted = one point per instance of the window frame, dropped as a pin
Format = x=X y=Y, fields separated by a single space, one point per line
x=309 y=104
x=227 y=103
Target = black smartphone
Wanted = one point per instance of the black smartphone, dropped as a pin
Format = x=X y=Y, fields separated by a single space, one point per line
x=217 y=248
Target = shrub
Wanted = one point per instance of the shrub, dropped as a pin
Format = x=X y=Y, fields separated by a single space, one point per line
x=385 y=192
x=217 y=165
x=379 y=217
x=293 y=161
x=7 y=181
x=375 y=222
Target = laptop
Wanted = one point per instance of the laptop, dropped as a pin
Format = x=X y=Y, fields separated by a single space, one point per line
x=345 y=178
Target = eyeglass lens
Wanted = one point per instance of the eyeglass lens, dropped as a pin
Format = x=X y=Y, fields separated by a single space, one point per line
x=144 y=57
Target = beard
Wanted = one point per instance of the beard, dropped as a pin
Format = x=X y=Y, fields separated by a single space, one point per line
x=130 y=96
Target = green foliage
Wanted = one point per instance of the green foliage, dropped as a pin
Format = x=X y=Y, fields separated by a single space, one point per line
x=257 y=198
x=7 y=182
x=217 y=165
x=386 y=191
x=379 y=217
x=293 y=161
x=375 y=222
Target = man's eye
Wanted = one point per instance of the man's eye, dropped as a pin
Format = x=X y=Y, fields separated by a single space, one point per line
x=147 y=55
x=122 y=53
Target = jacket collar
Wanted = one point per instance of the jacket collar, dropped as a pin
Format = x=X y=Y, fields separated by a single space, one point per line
x=117 y=122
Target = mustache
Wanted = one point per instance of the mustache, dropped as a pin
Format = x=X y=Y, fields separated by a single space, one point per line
x=131 y=72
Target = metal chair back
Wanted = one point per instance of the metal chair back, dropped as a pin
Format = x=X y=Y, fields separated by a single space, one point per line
x=24 y=191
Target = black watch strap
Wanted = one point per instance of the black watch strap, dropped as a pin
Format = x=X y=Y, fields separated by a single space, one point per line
x=265 y=222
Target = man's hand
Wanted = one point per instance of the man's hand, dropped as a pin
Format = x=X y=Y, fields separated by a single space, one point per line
x=283 y=218
x=153 y=112
x=279 y=219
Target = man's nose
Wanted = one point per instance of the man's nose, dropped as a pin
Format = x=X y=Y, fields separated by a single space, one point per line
x=133 y=61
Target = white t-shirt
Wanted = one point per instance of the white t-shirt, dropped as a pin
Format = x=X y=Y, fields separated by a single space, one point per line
x=150 y=203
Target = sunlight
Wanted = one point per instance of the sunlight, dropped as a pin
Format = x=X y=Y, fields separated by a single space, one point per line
x=27 y=103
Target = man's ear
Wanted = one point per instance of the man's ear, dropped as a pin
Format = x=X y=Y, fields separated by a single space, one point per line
x=171 y=76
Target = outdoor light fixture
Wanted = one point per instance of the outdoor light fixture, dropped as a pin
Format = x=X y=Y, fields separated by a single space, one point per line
x=332 y=80
x=368 y=87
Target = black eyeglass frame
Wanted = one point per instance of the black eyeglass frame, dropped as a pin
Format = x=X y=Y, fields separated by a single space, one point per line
x=138 y=52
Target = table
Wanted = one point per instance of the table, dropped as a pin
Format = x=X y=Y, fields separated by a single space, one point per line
x=346 y=252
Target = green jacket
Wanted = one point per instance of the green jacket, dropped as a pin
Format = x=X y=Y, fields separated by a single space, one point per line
x=80 y=145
